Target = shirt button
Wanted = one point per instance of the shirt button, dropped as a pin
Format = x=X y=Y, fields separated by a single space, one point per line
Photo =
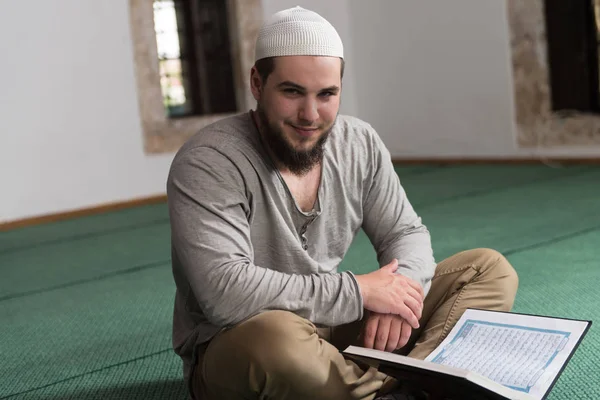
x=305 y=247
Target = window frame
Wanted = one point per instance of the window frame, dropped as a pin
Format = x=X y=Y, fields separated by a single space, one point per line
x=162 y=134
x=537 y=124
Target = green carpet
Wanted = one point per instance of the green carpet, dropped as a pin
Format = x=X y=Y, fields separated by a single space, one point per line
x=86 y=304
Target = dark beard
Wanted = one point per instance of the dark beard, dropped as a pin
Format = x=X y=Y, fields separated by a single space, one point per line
x=297 y=162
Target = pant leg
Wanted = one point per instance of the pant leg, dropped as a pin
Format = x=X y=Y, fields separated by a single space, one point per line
x=278 y=355
x=480 y=278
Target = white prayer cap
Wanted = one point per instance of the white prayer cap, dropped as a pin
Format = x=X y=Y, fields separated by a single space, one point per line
x=298 y=32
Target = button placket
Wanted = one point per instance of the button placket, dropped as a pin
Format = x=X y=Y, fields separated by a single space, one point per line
x=310 y=219
x=303 y=236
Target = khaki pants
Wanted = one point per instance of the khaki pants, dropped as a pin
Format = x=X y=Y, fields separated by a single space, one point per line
x=278 y=355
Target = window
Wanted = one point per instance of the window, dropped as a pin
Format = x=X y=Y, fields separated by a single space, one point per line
x=195 y=62
x=572 y=37
x=555 y=97
x=192 y=60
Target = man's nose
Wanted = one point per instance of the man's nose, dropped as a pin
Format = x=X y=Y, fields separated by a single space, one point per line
x=309 y=111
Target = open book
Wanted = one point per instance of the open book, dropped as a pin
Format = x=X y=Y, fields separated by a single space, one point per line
x=489 y=355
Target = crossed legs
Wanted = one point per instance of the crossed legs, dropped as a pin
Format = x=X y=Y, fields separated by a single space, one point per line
x=279 y=355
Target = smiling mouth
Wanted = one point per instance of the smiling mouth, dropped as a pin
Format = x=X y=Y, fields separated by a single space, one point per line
x=305 y=132
x=300 y=128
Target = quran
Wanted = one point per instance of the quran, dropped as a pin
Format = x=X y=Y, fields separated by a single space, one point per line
x=489 y=355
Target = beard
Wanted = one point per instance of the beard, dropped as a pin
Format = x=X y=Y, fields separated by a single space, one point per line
x=298 y=162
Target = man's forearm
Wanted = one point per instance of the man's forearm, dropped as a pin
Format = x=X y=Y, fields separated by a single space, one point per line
x=415 y=256
x=232 y=292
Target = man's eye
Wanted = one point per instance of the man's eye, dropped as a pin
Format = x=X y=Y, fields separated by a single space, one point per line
x=291 y=91
x=327 y=94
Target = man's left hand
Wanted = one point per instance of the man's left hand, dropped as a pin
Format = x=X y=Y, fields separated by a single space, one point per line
x=386 y=332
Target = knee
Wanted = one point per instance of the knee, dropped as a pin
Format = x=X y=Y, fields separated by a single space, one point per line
x=494 y=264
x=267 y=348
x=273 y=341
x=277 y=328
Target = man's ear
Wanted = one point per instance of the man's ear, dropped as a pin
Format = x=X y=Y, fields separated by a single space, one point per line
x=256 y=83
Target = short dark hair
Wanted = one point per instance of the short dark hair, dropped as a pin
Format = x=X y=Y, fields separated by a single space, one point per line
x=265 y=66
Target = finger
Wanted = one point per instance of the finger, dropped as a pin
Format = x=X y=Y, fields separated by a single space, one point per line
x=404 y=335
x=405 y=312
x=410 y=287
x=416 y=286
x=414 y=294
x=394 y=335
x=383 y=330
x=414 y=306
x=369 y=332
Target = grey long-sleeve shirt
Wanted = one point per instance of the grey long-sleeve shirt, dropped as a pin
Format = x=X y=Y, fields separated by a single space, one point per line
x=241 y=245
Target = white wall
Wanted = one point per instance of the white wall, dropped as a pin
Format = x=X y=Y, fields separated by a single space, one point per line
x=70 y=134
x=435 y=78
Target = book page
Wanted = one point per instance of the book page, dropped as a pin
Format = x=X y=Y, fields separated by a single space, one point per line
x=522 y=352
x=396 y=359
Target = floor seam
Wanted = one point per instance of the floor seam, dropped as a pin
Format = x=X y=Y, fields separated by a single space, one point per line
x=84 y=236
x=82 y=281
x=498 y=189
x=551 y=241
x=87 y=373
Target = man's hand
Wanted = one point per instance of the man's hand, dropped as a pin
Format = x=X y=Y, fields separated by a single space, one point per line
x=385 y=332
x=385 y=292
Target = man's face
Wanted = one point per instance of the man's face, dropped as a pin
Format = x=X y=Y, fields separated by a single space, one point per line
x=297 y=107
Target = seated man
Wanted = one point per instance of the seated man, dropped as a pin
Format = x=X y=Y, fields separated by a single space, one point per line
x=264 y=205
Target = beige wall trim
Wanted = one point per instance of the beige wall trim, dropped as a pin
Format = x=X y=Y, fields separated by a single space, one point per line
x=537 y=125
x=499 y=161
x=158 y=199
x=82 y=212
x=164 y=135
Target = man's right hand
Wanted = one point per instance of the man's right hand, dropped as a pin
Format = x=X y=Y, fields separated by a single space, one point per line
x=386 y=292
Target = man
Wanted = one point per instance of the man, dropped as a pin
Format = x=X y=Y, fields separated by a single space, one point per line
x=264 y=206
